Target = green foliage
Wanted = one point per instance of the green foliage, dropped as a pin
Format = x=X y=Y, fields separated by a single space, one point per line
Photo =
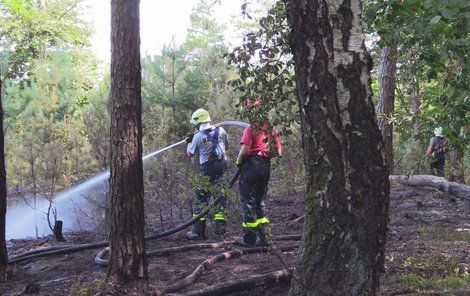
x=265 y=72
x=45 y=127
x=432 y=37
x=28 y=29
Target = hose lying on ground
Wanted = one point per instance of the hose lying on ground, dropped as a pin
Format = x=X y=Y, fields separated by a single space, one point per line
x=57 y=250
x=101 y=260
x=54 y=251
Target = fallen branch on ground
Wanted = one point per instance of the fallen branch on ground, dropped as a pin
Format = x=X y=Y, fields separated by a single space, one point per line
x=457 y=189
x=211 y=261
x=243 y=284
x=301 y=219
x=101 y=259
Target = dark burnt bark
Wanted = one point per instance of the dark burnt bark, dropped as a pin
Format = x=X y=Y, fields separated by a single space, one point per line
x=347 y=180
x=128 y=260
x=59 y=236
x=386 y=102
x=3 y=198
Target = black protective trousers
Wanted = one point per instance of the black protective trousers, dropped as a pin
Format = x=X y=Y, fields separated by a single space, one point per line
x=436 y=166
x=214 y=169
x=253 y=183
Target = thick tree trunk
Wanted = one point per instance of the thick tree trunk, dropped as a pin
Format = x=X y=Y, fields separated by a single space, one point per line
x=347 y=180
x=386 y=102
x=128 y=260
x=3 y=199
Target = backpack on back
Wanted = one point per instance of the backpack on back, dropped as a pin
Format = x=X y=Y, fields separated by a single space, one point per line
x=438 y=149
x=216 y=150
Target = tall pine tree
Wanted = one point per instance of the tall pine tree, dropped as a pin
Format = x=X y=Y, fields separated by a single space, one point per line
x=128 y=260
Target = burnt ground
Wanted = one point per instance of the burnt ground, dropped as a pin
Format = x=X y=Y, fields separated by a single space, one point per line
x=427 y=250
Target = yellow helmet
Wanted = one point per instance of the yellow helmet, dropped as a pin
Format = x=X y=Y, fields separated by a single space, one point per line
x=200 y=116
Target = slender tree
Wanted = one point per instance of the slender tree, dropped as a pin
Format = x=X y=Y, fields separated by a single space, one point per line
x=386 y=102
x=347 y=195
x=3 y=199
x=128 y=260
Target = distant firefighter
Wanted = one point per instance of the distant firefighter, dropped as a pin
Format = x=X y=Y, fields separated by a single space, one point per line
x=436 y=149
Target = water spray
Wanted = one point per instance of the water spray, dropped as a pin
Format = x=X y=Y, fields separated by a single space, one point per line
x=104 y=175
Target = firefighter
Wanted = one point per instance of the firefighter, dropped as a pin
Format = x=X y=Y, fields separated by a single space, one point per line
x=436 y=149
x=211 y=143
x=258 y=146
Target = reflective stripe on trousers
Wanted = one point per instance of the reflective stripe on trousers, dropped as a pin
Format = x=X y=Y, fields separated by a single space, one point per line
x=255 y=224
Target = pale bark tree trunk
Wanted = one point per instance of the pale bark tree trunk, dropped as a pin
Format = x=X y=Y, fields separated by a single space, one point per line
x=128 y=260
x=3 y=199
x=386 y=102
x=417 y=147
x=347 y=180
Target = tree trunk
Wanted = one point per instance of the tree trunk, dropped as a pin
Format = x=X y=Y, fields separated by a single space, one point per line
x=128 y=260
x=3 y=199
x=457 y=171
x=347 y=180
x=417 y=147
x=386 y=102
x=58 y=231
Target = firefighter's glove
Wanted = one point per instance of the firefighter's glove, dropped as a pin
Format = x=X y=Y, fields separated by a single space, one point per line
x=238 y=162
x=189 y=138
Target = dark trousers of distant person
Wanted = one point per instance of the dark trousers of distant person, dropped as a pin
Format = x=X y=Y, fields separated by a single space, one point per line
x=253 y=184
x=436 y=166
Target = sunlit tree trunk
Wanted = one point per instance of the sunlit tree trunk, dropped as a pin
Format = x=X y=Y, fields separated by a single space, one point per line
x=342 y=249
x=386 y=102
x=3 y=199
x=417 y=144
x=128 y=260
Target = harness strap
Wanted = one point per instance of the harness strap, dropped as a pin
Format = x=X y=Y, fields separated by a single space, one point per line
x=216 y=149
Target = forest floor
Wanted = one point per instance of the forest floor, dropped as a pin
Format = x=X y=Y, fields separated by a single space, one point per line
x=427 y=250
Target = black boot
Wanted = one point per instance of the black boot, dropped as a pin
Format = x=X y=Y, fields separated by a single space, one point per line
x=198 y=231
x=220 y=227
x=249 y=237
x=263 y=235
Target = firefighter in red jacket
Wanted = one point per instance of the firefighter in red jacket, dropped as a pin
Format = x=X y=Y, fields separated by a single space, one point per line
x=258 y=146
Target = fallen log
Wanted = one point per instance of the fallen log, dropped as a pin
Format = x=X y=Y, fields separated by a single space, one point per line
x=456 y=189
x=243 y=284
x=217 y=258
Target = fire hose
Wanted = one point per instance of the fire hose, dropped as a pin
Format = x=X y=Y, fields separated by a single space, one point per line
x=67 y=249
